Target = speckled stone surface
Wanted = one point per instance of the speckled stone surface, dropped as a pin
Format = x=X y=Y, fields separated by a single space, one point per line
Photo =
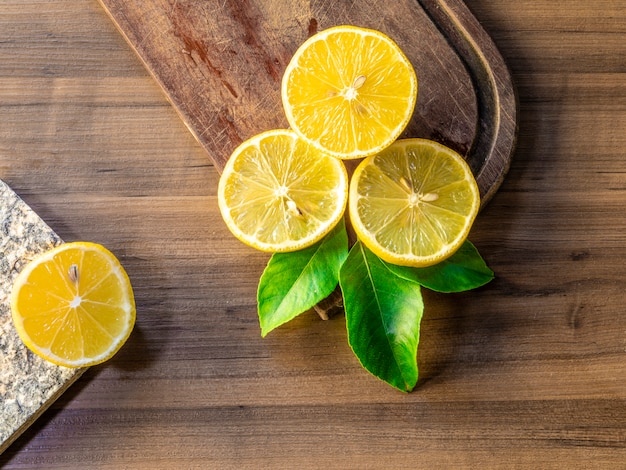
x=28 y=384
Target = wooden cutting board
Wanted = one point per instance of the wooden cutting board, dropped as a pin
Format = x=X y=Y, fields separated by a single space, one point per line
x=220 y=64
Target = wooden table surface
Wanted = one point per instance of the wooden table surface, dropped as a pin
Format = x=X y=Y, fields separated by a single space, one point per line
x=526 y=372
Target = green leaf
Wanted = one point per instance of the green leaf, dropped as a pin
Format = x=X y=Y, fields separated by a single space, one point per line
x=294 y=282
x=462 y=271
x=383 y=315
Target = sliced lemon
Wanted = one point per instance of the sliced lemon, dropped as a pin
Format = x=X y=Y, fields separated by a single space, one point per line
x=414 y=203
x=349 y=91
x=73 y=305
x=278 y=193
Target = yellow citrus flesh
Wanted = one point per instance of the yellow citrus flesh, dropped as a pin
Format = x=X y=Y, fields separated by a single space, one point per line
x=73 y=305
x=414 y=203
x=278 y=193
x=349 y=91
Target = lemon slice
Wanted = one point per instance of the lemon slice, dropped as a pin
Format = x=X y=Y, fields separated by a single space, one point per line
x=414 y=203
x=278 y=193
x=73 y=305
x=350 y=91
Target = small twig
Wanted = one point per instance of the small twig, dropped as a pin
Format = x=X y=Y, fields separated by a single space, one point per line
x=331 y=305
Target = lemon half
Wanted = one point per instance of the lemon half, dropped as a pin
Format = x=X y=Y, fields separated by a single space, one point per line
x=414 y=203
x=349 y=91
x=73 y=305
x=278 y=193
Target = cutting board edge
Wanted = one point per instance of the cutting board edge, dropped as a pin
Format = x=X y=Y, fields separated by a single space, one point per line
x=497 y=98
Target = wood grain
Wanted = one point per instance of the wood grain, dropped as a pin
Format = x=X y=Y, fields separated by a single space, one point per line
x=221 y=67
x=527 y=372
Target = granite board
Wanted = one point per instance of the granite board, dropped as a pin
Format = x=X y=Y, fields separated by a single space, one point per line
x=28 y=384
